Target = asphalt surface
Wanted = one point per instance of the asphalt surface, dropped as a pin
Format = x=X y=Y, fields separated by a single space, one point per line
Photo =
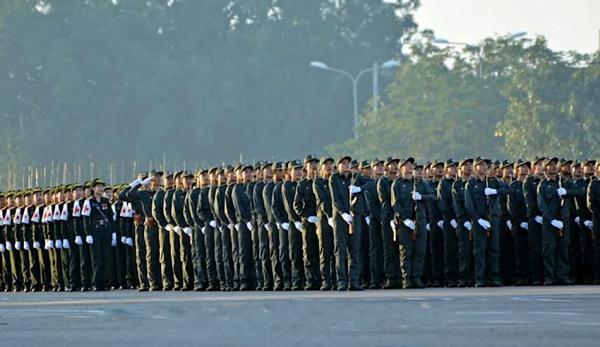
x=511 y=316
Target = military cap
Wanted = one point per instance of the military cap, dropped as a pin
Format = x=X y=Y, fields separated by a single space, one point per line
x=200 y=172
x=365 y=164
x=108 y=188
x=213 y=170
x=564 y=161
x=47 y=191
x=178 y=173
x=36 y=190
x=449 y=163
x=407 y=160
x=462 y=162
x=87 y=184
x=437 y=163
x=310 y=158
x=1 y=194
x=220 y=171
x=391 y=160
x=505 y=164
x=576 y=163
x=344 y=157
x=156 y=173
x=187 y=173
x=295 y=164
x=258 y=164
x=427 y=165
x=168 y=174
x=377 y=161
x=354 y=163
x=97 y=182
x=588 y=162
x=480 y=160
x=278 y=166
x=247 y=166
x=143 y=175
x=497 y=164
x=417 y=166
x=537 y=160
x=265 y=165
x=521 y=162
x=548 y=161
x=325 y=159
x=75 y=186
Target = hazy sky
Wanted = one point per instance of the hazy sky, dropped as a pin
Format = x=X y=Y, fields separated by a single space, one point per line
x=568 y=25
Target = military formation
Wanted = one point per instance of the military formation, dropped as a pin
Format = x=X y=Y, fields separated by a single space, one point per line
x=317 y=224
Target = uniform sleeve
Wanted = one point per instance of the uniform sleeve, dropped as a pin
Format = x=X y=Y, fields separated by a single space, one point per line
x=396 y=205
x=470 y=204
x=592 y=199
x=339 y=199
x=529 y=192
x=299 y=201
x=458 y=200
x=157 y=211
x=167 y=210
x=542 y=204
x=323 y=199
x=276 y=204
x=259 y=206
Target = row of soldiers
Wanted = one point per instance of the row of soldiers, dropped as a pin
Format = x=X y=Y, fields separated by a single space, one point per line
x=308 y=225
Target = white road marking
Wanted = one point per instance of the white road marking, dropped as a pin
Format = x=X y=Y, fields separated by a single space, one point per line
x=507 y=322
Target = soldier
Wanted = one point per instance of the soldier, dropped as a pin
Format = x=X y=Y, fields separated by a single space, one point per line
x=325 y=223
x=174 y=234
x=374 y=223
x=98 y=227
x=35 y=238
x=263 y=224
x=13 y=229
x=212 y=236
x=585 y=222
x=450 y=225
x=519 y=222
x=465 y=247
x=276 y=214
x=593 y=203
x=409 y=197
x=507 y=238
x=572 y=221
x=436 y=227
x=119 y=249
x=534 y=221
x=347 y=240
x=305 y=206
x=138 y=233
x=391 y=256
x=164 y=238
x=481 y=202
x=199 y=248
x=295 y=225
x=256 y=229
x=5 y=281
x=224 y=178
x=361 y=179
x=551 y=193
x=243 y=227
x=183 y=181
x=216 y=176
x=139 y=194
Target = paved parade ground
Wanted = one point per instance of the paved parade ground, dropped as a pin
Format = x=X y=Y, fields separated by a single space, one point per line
x=524 y=316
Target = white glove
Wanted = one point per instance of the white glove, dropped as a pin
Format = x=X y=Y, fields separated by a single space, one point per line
x=237 y=227
x=78 y=240
x=213 y=223
x=135 y=183
x=66 y=244
x=416 y=196
x=524 y=225
x=368 y=220
x=393 y=224
x=18 y=245
x=454 y=223
x=230 y=226
x=557 y=224
x=354 y=189
x=440 y=224
x=313 y=219
x=298 y=225
x=58 y=244
x=539 y=219
x=250 y=226
x=89 y=240
x=285 y=226
x=561 y=191
x=36 y=245
x=129 y=242
x=8 y=246
x=114 y=237
x=347 y=217
x=427 y=227
x=113 y=243
x=577 y=220
x=50 y=244
x=202 y=230
x=509 y=224
x=330 y=221
x=177 y=230
x=26 y=245
x=169 y=227
x=468 y=225
x=409 y=224
x=146 y=181
x=588 y=223
x=124 y=240
x=484 y=224
x=188 y=231
x=268 y=227
x=2 y=249
x=490 y=191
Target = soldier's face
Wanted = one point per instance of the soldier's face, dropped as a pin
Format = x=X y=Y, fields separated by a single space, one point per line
x=467 y=168
x=297 y=173
x=108 y=193
x=327 y=169
x=551 y=169
x=588 y=170
x=312 y=168
x=451 y=171
x=278 y=174
x=38 y=198
x=523 y=170
x=538 y=169
x=27 y=200
x=481 y=168
x=392 y=168
x=77 y=194
x=492 y=171
x=47 y=199
x=566 y=169
x=188 y=182
x=437 y=171
x=168 y=181
x=507 y=172
x=419 y=173
x=99 y=189
x=268 y=173
x=231 y=176
x=247 y=175
x=367 y=171
x=407 y=170
x=204 y=179
x=379 y=170
x=344 y=166
x=576 y=170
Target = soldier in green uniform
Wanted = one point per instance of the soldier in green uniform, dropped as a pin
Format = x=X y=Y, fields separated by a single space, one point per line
x=593 y=204
x=198 y=241
x=552 y=191
x=374 y=224
x=325 y=223
x=464 y=228
x=280 y=244
x=183 y=231
x=305 y=206
x=450 y=224
x=585 y=222
x=534 y=221
x=263 y=224
x=174 y=234
x=209 y=214
x=520 y=225
x=244 y=227
x=229 y=209
x=507 y=228
x=391 y=256
x=164 y=237
x=295 y=225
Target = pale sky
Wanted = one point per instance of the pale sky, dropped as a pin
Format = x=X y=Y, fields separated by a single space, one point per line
x=567 y=24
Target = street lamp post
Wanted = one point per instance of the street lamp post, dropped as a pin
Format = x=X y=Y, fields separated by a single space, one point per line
x=390 y=64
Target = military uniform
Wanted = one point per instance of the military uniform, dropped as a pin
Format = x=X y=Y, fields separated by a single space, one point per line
x=593 y=203
x=450 y=227
x=325 y=229
x=275 y=229
x=534 y=221
x=164 y=237
x=263 y=226
x=295 y=230
x=374 y=225
x=520 y=226
x=391 y=256
x=464 y=230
